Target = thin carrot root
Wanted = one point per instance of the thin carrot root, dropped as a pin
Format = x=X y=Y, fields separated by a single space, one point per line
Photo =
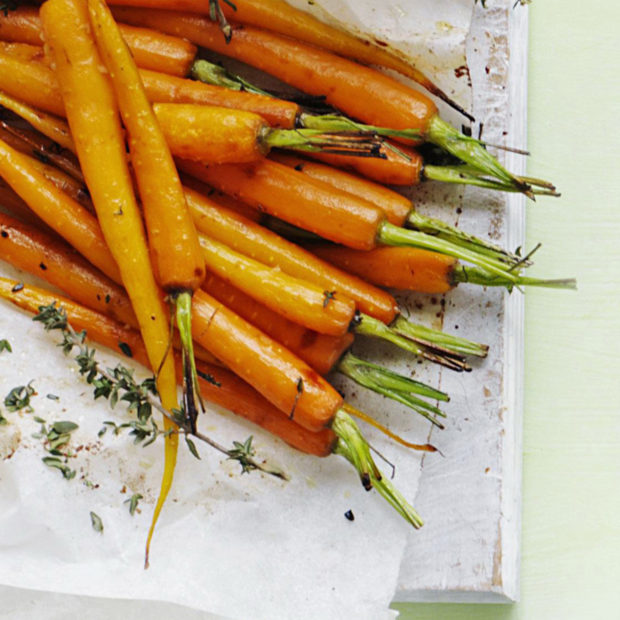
x=192 y=397
x=425 y=447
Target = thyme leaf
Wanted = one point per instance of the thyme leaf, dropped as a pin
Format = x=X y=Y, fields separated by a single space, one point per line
x=5 y=345
x=19 y=398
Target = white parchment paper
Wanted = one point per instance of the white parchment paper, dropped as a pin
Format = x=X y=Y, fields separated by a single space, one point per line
x=231 y=545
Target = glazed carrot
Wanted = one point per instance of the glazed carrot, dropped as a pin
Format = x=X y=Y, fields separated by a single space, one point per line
x=11 y=202
x=173 y=241
x=151 y=50
x=41 y=254
x=95 y=125
x=32 y=82
x=227 y=390
x=385 y=101
x=21 y=25
x=25 y=51
x=220 y=135
x=265 y=246
x=281 y=17
x=169 y=89
x=403 y=268
x=55 y=208
x=53 y=127
x=299 y=301
x=398 y=209
x=318 y=350
x=328 y=211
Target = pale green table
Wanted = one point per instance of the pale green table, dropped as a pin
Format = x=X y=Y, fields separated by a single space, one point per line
x=571 y=479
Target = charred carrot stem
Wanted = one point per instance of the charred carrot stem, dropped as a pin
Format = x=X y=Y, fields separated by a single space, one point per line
x=481 y=277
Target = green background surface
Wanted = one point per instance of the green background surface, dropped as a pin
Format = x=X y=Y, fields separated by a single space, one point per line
x=571 y=462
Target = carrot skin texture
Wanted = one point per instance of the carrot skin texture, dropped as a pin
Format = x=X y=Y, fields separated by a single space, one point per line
x=396 y=207
x=24 y=51
x=232 y=393
x=21 y=25
x=318 y=350
x=297 y=390
x=32 y=82
x=386 y=102
x=295 y=198
x=40 y=253
x=298 y=300
x=211 y=134
x=172 y=236
x=395 y=267
x=55 y=208
x=253 y=240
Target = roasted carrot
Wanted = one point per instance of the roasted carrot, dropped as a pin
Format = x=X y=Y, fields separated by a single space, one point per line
x=95 y=125
x=265 y=246
x=40 y=254
x=345 y=439
x=320 y=351
x=402 y=268
x=24 y=51
x=53 y=127
x=398 y=209
x=151 y=50
x=329 y=212
x=55 y=208
x=299 y=301
x=226 y=389
x=220 y=135
x=173 y=241
x=32 y=82
x=386 y=102
x=11 y=202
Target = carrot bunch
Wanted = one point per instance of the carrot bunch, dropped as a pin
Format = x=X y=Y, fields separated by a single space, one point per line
x=149 y=187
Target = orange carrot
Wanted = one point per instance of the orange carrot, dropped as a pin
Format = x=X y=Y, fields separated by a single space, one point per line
x=358 y=91
x=402 y=268
x=32 y=82
x=226 y=389
x=290 y=384
x=298 y=300
x=318 y=350
x=151 y=50
x=41 y=254
x=265 y=246
x=396 y=206
x=95 y=125
x=55 y=208
x=332 y=213
x=21 y=25
x=172 y=236
x=53 y=127
x=25 y=51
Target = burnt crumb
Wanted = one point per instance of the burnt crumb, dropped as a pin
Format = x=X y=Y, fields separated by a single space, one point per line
x=43 y=266
x=18 y=287
x=299 y=167
x=487 y=69
x=5 y=234
x=459 y=210
x=349 y=515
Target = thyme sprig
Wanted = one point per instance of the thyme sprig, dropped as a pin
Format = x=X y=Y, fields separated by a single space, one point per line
x=19 y=398
x=8 y=5
x=217 y=15
x=118 y=384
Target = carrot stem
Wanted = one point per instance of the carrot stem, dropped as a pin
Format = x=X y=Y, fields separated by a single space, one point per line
x=433 y=226
x=389 y=234
x=369 y=326
x=191 y=389
x=436 y=339
x=391 y=384
x=353 y=447
x=216 y=75
x=473 y=275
